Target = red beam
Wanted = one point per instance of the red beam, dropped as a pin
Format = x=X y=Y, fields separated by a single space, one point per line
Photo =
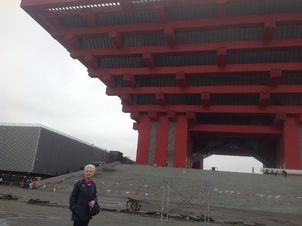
x=269 y=30
x=232 y=152
x=148 y=59
x=275 y=77
x=126 y=5
x=130 y=80
x=88 y=17
x=171 y=4
x=284 y=89
x=108 y=80
x=135 y=126
x=236 y=129
x=264 y=98
x=38 y=3
x=72 y=42
x=170 y=36
x=181 y=79
x=153 y=115
x=232 y=109
x=80 y=2
x=90 y=61
x=280 y=118
x=159 y=12
x=187 y=25
x=200 y=70
x=191 y=117
x=107 y=6
x=116 y=39
x=52 y=20
x=205 y=99
x=221 y=56
x=126 y=98
x=135 y=115
x=197 y=48
x=171 y=115
x=160 y=98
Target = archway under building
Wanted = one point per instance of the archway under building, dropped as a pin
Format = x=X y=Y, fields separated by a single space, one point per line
x=259 y=151
x=227 y=163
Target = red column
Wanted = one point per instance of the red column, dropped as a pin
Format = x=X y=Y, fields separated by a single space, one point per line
x=291 y=154
x=161 y=140
x=143 y=140
x=181 y=141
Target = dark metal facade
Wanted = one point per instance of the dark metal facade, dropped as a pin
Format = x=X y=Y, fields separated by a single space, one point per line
x=37 y=149
x=18 y=146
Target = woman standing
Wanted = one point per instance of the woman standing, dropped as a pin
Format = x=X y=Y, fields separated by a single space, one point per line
x=83 y=197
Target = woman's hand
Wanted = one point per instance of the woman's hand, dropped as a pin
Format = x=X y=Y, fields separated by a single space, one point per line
x=91 y=203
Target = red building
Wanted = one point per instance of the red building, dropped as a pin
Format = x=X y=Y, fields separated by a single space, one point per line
x=199 y=77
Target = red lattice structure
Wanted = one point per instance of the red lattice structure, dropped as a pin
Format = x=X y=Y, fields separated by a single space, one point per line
x=199 y=77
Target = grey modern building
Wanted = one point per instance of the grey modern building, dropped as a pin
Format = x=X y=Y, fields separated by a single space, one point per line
x=34 y=148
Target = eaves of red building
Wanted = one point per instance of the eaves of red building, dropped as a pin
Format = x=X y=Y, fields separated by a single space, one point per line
x=198 y=77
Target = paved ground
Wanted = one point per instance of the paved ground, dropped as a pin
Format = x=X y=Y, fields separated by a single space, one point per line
x=16 y=213
x=117 y=182
x=20 y=213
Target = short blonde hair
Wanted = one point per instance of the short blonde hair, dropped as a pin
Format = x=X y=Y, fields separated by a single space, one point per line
x=90 y=166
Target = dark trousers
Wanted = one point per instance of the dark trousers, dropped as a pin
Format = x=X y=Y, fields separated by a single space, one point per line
x=80 y=223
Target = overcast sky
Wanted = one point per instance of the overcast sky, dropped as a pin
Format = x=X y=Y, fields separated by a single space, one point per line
x=41 y=84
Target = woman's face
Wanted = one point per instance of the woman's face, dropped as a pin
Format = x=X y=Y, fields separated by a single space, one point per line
x=88 y=172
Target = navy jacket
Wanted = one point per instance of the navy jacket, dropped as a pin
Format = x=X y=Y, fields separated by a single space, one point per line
x=78 y=201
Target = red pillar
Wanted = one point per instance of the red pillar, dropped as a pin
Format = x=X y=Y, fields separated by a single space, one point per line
x=143 y=140
x=161 y=140
x=291 y=153
x=181 y=141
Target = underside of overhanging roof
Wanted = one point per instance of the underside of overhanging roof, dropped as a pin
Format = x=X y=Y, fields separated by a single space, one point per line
x=164 y=54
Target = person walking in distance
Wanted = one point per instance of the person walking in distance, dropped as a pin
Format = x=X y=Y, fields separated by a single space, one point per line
x=83 y=197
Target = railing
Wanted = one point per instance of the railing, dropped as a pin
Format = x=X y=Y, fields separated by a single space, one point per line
x=280 y=171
